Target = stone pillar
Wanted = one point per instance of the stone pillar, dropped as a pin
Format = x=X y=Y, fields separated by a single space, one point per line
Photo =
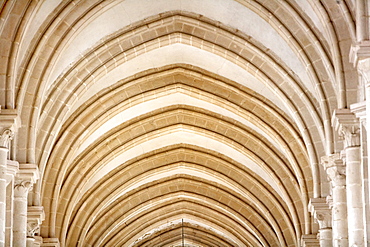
x=360 y=110
x=35 y=217
x=3 y=161
x=322 y=214
x=335 y=169
x=8 y=125
x=21 y=189
x=12 y=169
x=26 y=177
x=347 y=125
x=362 y=62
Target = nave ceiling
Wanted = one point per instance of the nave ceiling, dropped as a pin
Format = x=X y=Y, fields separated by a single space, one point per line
x=153 y=120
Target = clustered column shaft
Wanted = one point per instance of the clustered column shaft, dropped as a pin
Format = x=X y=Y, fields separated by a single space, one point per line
x=348 y=126
x=322 y=213
x=335 y=170
x=21 y=189
x=5 y=137
x=3 y=160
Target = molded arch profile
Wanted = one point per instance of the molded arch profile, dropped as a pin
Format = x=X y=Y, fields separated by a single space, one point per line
x=69 y=188
x=183 y=159
x=216 y=204
x=180 y=92
x=70 y=93
x=110 y=137
x=194 y=233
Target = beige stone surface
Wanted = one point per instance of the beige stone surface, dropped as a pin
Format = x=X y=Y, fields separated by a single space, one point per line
x=208 y=123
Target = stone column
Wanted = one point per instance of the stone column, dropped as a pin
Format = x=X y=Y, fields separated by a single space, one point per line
x=12 y=169
x=21 y=189
x=9 y=123
x=362 y=62
x=322 y=214
x=360 y=110
x=335 y=169
x=26 y=177
x=5 y=137
x=348 y=127
x=3 y=160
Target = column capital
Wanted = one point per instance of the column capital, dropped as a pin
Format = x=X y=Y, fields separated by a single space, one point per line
x=32 y=229
x=35 y=216
x=26 y=177
x=321 y=211
x=335 y=169
x=28 y=172
x=21 y=188
x=347 y=126
x=9 y=123
x=5 y=137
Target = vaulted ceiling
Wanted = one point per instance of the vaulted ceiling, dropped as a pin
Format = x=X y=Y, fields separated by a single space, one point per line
x=157 y=121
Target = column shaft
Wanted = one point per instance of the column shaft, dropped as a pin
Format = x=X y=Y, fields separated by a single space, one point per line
x=321 y=211
x=339 y=212
x=20 y=215
x=354 y=197
x=3 y=162
x=367 y=172
x=9 y=215
x=325 y=236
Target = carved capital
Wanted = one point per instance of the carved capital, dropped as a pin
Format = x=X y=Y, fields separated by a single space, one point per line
x=32 y=229
x=5 y=137
x=28 y=172
x=35 y=216
x=335 y=169
x=321 y=212
x=337 y=176
x=23 y=184
x=25 y=178
x=351 y=134
x=9 y=123
x=21 y=188
x=347 y=126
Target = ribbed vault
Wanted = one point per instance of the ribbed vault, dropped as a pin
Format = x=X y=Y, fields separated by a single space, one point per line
x=153 y=120
x=189 y=121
